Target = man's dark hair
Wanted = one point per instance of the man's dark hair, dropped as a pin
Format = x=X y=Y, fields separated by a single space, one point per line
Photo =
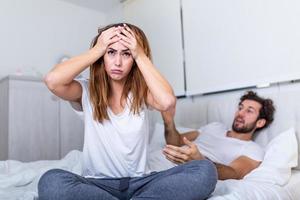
x=267 y=107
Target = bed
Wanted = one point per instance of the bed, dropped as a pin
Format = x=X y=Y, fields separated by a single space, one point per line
x=278 y=177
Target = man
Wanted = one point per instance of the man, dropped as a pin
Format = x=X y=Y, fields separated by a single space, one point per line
x=232 y=151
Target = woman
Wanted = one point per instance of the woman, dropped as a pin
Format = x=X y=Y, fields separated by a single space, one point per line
x=123 y=84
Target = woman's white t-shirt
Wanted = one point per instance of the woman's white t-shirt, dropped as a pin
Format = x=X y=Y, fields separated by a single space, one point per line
x=116 y=147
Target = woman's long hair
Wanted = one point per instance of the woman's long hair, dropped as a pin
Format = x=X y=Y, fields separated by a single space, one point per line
x=99 y=88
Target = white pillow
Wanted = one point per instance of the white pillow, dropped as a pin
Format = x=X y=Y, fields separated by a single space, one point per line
x=281 y=155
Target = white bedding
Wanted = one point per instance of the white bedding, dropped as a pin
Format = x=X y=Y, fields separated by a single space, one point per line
x=230 y=189
x=293 y=185
x=248 y=190
x=19 y=180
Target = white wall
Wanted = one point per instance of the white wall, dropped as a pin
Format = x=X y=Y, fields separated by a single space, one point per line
x=234 y=44
x=35 y=34
x=115 y=14
x=227 y=44
x=163 y=30
x=112 y=8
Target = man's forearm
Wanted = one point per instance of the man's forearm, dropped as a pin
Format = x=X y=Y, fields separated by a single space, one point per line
x=172 y=136
x=226 y=172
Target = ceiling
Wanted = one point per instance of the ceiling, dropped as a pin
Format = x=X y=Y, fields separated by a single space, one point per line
x=99 y=5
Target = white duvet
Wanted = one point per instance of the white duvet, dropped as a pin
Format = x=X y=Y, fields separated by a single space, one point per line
x=19 y=180
x=248 y=190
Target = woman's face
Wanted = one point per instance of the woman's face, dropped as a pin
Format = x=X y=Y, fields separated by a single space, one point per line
x=118 y=61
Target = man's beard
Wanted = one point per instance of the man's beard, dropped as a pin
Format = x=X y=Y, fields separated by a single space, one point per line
x=246 y=128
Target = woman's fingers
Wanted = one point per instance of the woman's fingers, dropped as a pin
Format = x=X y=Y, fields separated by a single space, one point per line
x=114 y=39
x=125 y=39
x=123 y=35
x=106 y=37
x=133 y=49
x=109 y=33
x=129 y=30
x=127 y=33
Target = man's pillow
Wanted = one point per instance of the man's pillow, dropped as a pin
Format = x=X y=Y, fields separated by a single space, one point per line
x=280 y=156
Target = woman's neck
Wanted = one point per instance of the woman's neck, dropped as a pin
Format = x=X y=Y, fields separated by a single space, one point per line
x=116 y=88
x=116 y=103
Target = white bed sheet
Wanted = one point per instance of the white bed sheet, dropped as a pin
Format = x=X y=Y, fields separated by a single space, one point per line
x=293 y=186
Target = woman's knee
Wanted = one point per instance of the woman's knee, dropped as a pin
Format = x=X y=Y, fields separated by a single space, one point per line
x=51 y=176
x=50 y=182
x=204 y=166
x=200 y=178
x=205 y=171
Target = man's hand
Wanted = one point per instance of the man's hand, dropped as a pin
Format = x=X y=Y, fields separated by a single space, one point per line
x=179 y=155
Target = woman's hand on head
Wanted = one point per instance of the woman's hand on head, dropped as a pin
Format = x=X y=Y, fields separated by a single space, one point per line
x=106 y=38
x=128 y=39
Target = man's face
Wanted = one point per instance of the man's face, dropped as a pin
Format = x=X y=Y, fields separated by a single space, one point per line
x=246 y=117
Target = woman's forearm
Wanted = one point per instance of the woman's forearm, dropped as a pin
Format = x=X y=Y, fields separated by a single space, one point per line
x=65 y=72
x=159 y=87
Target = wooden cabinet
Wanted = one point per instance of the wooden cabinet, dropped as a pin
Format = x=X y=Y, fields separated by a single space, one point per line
x=34 y=123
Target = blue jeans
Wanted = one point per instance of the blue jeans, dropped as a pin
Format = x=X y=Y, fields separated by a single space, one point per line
x=194 y=180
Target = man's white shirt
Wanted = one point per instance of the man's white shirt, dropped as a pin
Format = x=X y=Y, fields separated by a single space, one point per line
x=214 y=144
